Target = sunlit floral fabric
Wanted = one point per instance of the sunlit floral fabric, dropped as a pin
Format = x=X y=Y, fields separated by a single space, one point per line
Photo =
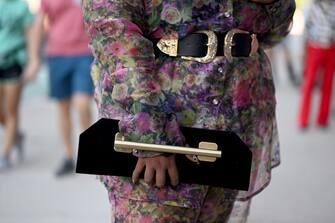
x=154 y=96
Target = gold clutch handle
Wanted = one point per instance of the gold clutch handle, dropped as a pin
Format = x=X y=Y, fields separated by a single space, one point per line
x=207 y=151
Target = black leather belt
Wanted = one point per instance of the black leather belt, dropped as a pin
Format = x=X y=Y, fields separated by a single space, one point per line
x=204 y=46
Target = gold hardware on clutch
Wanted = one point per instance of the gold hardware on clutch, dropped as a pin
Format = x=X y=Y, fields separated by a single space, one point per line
x=206 y=152
x=211 y=50
x=228 y=43
x=208 y=146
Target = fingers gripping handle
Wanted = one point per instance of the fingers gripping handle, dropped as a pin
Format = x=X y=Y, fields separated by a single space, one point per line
x=207 y=151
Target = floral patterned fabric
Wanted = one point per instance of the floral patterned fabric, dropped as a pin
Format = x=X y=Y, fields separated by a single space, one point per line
x=214 y=209
x=154 y=96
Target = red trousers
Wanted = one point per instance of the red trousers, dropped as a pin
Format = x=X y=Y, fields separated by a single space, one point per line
x=317 y=59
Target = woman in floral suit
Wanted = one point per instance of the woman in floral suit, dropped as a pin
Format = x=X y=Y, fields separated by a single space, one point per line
x=153 y=94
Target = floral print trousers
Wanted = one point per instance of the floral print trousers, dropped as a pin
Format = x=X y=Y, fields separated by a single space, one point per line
x=215 y=209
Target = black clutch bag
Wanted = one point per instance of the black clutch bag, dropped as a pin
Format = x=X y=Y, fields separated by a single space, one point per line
x=227 y=166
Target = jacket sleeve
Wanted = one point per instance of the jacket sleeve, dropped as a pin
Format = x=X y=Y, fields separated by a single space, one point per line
x=117 y=38
x=281 y=15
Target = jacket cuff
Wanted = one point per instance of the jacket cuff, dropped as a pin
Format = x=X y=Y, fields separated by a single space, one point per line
x=142 y=154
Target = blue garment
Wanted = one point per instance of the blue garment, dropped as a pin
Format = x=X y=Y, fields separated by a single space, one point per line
x=69 y=75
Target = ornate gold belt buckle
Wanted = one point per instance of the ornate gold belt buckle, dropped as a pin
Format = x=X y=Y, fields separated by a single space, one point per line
x=169 y=46
x=228 y=43
x=212 y=45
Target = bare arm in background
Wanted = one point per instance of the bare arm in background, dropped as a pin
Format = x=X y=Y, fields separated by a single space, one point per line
x=34 y=36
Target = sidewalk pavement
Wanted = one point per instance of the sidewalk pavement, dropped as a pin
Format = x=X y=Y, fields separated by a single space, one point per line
x=30 y=193
x=301 y=189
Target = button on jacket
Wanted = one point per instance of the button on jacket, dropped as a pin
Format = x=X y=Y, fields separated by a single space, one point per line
x=153 y=96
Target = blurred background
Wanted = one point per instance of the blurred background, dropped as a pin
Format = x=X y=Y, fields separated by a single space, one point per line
x=301 y=190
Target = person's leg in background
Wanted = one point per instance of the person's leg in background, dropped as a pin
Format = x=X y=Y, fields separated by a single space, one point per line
x=65 y=129
x=313 y=61
x=82 y=86
x=79 y=90
x=60 y=89
x=326 y=90
x=83 y=105
x=2 y=108
x=11 y=100
x=289 y=62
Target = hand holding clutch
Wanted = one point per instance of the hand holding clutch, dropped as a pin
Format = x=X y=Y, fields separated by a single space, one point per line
x=155 y=169
x=224 y=159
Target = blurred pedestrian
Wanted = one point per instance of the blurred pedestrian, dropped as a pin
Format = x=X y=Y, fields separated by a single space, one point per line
x=69 y=61
x=154 y=90
x=272 y=53
x=320 y=59
x=18 y=61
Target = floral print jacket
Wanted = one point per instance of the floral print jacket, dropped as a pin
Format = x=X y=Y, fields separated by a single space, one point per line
x=154 y=96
